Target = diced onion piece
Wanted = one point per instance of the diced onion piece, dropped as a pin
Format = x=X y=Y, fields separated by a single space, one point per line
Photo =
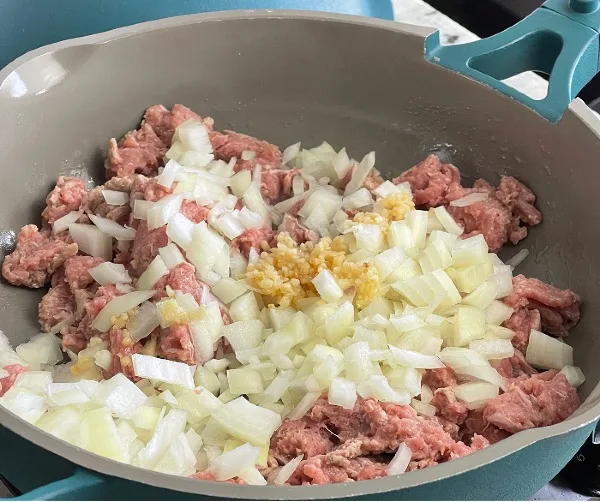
x=369 y=237
x=179 y=459
x=339 y=323
x=243 y=335
x=475 y=394
x=443 y=216
x=172 y=372
x=360 y=198
x=36 y=381
x=167 y=429
x=115 y=198
x=357 y=361
x=244 y=308
x=253 y=200
x=472 y=198
x=470 y=251
x=240 y=183
x=389 y=261
x=433 y=223
x=417 y=223
x=245 y=381
x=234 y=462
x=424 y=409
x=377 y=386
x=492 y=331
x=230 y=224
x=250 y=219
x=101 y=435
x=517 y=259
x=103 y=359
x=497 y=312
x=247 y=422
x=112 y=228
x=163 y=210
x=152 y=274
x=169 y=173
x=290 y=153
x=207 y=247
x=458 y=357
x=547 y=353
x=180 y=230
x=400 y=461
x=485 y=373
x=502 y=279
x=171 y=255
x=482 y=296
x=330 y=203
x=141 y=208
x=40 y=350
x=327 y=286
x=304 y=405
x=252 y=476
x=412 y=359
x=287 y=470
x=342 y=392
x=342 y=164
x=426 y=394
x=574 y=375
x=91 y=240
x=360 y=173
x=228 y=289
x=298 y=186
x=63 y=222
x=494 y=348
x=120 y=395
x=401 y=235
x=143 y=322
x=469 y=324
x=406 y=323
x=468 y=278
x=278 y=386
x=386 y=188
x=110 y=273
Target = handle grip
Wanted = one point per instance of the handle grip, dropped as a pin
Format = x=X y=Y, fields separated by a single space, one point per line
x=561 y=38
x=81 y=485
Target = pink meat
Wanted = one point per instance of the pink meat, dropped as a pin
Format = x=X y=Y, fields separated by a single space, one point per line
x=301 y=437
x=513 y=367
x=334 y=468
x=64 y=198
x=519 y=200
x=439 y=378
x=532 y=401
x=140 y=151
x=164 y=122
x=14 y=370
x=448 y=407
x=276 y=184
x=146 y=245
x=36 y=257
x=558 y=308
x=194 y=211
x=253 y=238
x=183 y=278
x=77 y=271
x=297 y=231
x=153 y=192
x=209 y=476
x=476 y=426
x=57 y=305
x=93 y=201
x=522 y=322
x=122 y=347
x=430 y=181
x=232 y=144
x=176 y=344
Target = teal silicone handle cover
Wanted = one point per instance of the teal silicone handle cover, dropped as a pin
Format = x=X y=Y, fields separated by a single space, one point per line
x=561 y=39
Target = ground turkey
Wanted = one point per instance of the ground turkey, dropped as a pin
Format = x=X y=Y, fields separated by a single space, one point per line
x=253 y=238
x=231 y=144
x=164 y=122
x=64 y=198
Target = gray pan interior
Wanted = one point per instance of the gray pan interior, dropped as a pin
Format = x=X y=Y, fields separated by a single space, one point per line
x=284 y=77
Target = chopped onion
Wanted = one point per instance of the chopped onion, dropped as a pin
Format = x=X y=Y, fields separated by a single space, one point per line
x=304 y=405
x=517 y=259
x=447 y=221
x=469 y=324
x=110 y=273
x=230 y=224
x=179 y=459
x=163 y=210
x=143 y=322
x=377 y=386
x=91 y=240
x=497 y=312
x=417 y=223
x=152 y=274
x=112 y=228
x=502 y=279
x=287 y=470
x=327 y=286
x=290 y=153
x=63 y=222
x=475 y=394
x=342 y=392
x=254 y=201
x=167 y=429
x=400 y=461
x=228 y=289
x=360 y=198
x=141 y=208
x=180 y=229
x=470 y=251
x=42 y=349
x=36 y=381
x=298 y=186
x=412 y=359
x=485 y=373
x=154 y=368
x=360 y=173
x=472 y=198
x=103 y=359
x=574 y=375
x=234 y=462
x=493 y=349
x=169 y=173
x=547 y=353
x=99 y=434
x=244 y=308
x=424 y=409
x=171 y=255
x=117 y=306
x=342 y=164
x=458 y=357
x=115 y=197
x=250 y=219
x=386 y=188
x=203 y=341
x=426 y=394
x=357 y=361
x=240 y=183
x=120 y=395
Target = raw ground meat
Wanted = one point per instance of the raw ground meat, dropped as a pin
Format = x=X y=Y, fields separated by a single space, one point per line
x=522 y=322
x=14 y=370
x=194 y=211
x=440 y=377
x=77 y=271
x=297 y=231
x=93 y=201
x=231 y=144
x=371 y=428
x=558 y=308
x=36 y=257
x=146 y=245
x=176 y=344
x=64 y=198
x=153 y=192
x=475 y=426
x=140 y=151
x=57 y=305
x=253 y=238
x=276 y=184
x=532 y=401
x=513 y=367
x=164 y=122
x=448 y=407
x=122 y=347
x=182 y=278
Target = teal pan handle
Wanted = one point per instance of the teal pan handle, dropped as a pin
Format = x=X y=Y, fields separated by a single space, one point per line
x=561 y=39
x=81 y=485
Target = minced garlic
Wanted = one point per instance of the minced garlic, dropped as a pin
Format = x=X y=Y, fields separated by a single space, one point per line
x=395 y=206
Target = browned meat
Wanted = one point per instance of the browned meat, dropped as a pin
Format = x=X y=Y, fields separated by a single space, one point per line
x=532 y=401
x=371 y=428
x=57 y=305
x=140 y=151
x=276 y=184
x=93 y=201
x=164 y=122
x=513 y=367
x=253 y=238
x=37 y=256
x=297 y=231
x=77 y=271
x=448 y=407
x=522 y=322
x=440 y=377
x=430 y=181
x=14 y=370
x=64 y=198
x=176 y=344
x=194 y=211
x=122 y=347
x=146 y=245
x=232 y=144
x=558 y=308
